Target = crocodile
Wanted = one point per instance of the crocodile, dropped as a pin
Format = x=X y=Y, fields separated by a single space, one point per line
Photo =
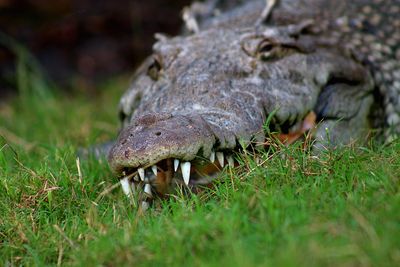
x=208 y=92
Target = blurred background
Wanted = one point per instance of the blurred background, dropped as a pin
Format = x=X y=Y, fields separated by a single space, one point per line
x=81 y=43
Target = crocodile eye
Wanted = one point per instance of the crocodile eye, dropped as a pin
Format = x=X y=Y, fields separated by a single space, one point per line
x=154 y=69
x=267 y=49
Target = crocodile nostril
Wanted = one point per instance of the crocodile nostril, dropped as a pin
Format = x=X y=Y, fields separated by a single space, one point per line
x=158 y=133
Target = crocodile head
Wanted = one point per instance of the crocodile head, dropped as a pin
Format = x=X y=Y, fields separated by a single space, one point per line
x=201 y=94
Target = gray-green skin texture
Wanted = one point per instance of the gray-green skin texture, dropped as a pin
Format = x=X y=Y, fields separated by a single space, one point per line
x=211 y=89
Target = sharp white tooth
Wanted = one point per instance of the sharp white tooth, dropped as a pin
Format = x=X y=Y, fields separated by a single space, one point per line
x=176 y=164
x=136 y=178
x=212 y=156
x=141 y=173
x=154 y=169
x=185 y=167
x=147 y=189
x=220 y=157
x=145 y=205
x=126 y=187
x=231 y=163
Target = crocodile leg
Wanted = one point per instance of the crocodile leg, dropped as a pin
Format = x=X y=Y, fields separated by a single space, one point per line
x=343 y=120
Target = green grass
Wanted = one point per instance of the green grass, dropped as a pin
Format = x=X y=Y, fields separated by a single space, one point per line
x=341 y=208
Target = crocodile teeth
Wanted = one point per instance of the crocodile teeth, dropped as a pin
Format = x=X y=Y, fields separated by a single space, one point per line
x=176 y=164
x=220 y=157
x=141 y=173
x=136 y=178
x=126 y=187
x=147 y=189
x=212 y=156
x=154 y=169
x=231 y=163
x=185 y=167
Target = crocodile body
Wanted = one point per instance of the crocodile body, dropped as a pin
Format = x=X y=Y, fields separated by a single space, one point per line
x=203 y=92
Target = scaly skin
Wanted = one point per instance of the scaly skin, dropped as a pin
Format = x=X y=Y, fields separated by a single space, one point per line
x=205 y=91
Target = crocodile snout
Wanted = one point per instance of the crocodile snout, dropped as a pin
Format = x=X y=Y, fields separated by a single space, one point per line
x=157 y=136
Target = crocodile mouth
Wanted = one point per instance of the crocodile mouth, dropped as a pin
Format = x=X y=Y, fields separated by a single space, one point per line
x=158 y=180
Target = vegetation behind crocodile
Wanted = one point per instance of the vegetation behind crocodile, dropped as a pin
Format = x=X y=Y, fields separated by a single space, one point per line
x=203 y=92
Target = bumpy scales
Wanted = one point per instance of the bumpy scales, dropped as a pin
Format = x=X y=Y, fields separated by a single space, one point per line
x=199 y=94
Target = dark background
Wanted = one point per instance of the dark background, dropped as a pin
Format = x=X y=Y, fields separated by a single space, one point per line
x=84 y=42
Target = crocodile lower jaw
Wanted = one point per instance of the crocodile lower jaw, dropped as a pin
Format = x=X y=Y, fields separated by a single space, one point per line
x=144 y=183
x=159 y=178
